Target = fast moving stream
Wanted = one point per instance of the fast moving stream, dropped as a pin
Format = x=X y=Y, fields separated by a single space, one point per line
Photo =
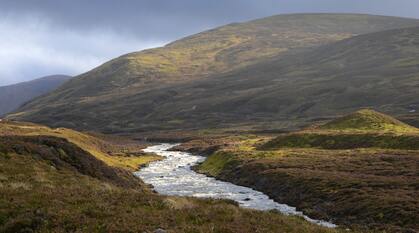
x=173 y=176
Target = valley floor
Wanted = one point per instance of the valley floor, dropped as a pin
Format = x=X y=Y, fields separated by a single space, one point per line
x=50 y=182
x=36 y=197
x=58 y=180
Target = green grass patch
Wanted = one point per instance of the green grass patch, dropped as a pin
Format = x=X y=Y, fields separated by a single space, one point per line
x=216 y=163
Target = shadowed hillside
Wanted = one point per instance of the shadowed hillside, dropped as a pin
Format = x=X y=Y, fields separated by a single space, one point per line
x=12 y=96
x=180 y=85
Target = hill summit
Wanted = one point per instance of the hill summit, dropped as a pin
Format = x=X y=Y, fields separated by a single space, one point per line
x=368 y=120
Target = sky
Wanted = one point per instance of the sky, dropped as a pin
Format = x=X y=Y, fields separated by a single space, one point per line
x=45 y=37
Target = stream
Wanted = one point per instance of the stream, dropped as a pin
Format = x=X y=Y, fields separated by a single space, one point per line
x=173 y=176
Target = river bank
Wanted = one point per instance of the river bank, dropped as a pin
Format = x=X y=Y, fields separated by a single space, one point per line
x=173 y=176
x=361 y=189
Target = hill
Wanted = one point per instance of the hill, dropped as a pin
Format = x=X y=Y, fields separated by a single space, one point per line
x=362 y=129
x=13 y=96
x=168 y=88
x=367 y=120
x=377 y=70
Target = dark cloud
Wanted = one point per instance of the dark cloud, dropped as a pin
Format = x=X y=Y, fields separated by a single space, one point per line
x=48 y=36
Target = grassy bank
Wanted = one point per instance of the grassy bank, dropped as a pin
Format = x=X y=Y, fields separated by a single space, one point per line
x=114 y=151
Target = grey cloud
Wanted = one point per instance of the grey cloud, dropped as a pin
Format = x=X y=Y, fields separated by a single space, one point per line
x=169 y=19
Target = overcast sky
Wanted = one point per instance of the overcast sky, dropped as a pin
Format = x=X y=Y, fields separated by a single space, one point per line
x=44 y=37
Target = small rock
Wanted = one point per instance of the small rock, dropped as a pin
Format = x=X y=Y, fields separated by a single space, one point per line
x=160 y=231
x=247 y=199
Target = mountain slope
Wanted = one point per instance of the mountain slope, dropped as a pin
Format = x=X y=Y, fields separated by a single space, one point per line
x=223 y=49
x=240 y=72
x=378 y=70
x=12 y=96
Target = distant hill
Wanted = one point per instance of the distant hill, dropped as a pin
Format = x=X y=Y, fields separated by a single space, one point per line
x=287 y=69
x=12 y=96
